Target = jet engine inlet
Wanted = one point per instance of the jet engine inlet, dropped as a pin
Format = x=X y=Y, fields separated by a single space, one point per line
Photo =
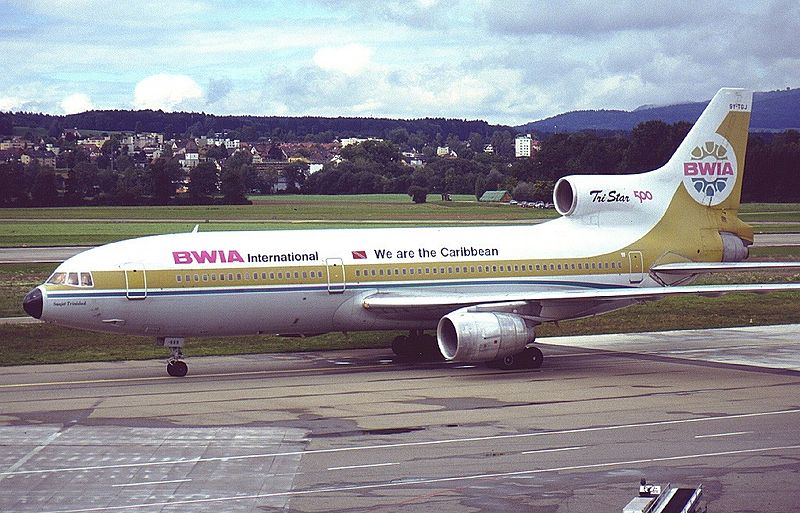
x=482 y=336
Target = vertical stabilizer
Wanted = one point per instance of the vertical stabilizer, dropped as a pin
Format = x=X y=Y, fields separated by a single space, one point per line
x=710 y=160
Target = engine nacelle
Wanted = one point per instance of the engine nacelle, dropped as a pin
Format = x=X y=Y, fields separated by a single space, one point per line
x=734 y=249
x=466 y=336
x=581 y=195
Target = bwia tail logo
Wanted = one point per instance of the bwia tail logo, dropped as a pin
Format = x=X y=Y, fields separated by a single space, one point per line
x=710 y=172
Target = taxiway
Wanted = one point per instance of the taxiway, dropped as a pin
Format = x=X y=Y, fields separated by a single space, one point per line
x=357 y=431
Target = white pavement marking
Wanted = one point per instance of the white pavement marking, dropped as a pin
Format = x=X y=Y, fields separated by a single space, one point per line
x=395 y=484
x=36 y=450
x=617 y=427
x=560 y=449
x=364 y=466
x=150 y=483
x=734 y=433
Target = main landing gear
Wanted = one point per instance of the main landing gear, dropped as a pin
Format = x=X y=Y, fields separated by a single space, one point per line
x=416 y=346
x=529 y=358
x=176 y=367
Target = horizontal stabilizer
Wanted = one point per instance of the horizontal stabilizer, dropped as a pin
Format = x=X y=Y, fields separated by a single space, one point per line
x=691 y=268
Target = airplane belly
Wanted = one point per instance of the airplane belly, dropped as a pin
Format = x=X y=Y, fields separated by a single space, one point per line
x=222 y=314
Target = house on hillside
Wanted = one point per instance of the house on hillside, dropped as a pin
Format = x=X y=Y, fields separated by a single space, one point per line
x=496 y=196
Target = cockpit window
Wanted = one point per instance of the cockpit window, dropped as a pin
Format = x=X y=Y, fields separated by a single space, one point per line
x=76 y=279
x=57 y=279
x=86 y=280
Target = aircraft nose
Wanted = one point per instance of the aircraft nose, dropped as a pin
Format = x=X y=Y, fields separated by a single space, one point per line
x=33 y=303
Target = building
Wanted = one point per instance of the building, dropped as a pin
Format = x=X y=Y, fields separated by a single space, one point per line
x=525 y=146
x=357 y=140
x=522 y=146
x=445 y=152
x=496 y=196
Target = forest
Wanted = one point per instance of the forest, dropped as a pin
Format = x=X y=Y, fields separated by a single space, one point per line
x=772 y=163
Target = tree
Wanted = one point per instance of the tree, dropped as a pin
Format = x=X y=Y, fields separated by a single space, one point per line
x=296 y=175
x=524 y=191
x=232 y=186
x=203 y=180
x=82 y=182
x=133 y=185
x=418 y=194
x=12 y=180
x=44 y=192
x=163 y=175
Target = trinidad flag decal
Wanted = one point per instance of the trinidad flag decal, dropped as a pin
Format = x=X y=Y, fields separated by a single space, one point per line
x=359 y=255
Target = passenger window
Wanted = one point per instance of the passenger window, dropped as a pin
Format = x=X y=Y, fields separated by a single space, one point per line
x=178 y=278
x=196 y=277
x=238 y=276
x=222 y=277
x=213 y=276
x=205 y=277
x=187 y=278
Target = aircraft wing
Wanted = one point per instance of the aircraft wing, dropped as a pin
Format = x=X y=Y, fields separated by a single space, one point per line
x=536 y=304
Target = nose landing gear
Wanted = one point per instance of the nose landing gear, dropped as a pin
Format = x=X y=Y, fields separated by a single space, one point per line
x=176 y=367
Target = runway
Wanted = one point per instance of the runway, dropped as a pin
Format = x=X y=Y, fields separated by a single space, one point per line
x=357 y=431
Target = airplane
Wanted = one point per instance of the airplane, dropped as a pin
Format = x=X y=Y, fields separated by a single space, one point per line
x=620 y=240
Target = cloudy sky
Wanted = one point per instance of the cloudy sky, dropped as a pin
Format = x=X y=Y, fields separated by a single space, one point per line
x=498 y=60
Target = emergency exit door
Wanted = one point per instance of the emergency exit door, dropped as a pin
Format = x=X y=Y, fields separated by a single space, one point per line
x=135 y=281
x=336 y=282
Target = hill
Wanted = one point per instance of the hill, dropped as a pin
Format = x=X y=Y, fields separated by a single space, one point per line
x=772 y=111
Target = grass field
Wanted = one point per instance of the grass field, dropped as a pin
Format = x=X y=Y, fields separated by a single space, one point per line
x=89 y=226
x=99 y=225
x=74 y=226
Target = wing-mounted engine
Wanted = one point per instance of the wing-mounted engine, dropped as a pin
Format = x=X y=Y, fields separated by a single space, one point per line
x=469 y=336
x=623 y=196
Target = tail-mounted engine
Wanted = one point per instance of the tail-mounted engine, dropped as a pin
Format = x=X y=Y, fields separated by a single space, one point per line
x=466 y=336
x=584 y=195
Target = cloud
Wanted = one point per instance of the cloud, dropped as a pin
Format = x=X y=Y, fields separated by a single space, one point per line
x=10 y=103
x=350 y=59
x=165 y=91
x=75 y=103
x=218 y=89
